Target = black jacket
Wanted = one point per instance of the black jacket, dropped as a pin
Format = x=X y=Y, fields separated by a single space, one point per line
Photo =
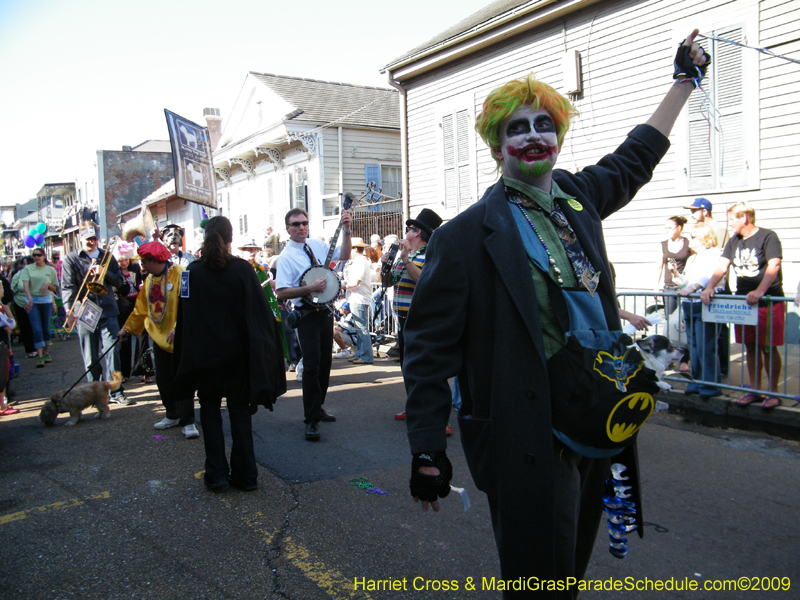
x=227 y=321
x=73 y=271
x=474 y=314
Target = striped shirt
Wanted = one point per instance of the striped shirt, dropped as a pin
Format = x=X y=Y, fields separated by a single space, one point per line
x=404 y=285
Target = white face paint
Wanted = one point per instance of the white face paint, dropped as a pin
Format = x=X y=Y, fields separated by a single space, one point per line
x=528 y=145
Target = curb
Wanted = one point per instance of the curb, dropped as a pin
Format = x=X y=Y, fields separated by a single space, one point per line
x=723 y=412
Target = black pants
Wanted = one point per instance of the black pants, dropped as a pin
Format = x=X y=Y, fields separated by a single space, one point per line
x=25 y=331
x=315 y=334
x=232 y=384
x=125 y=307
x=401 y=341
x=182 y=409
x=579 y=485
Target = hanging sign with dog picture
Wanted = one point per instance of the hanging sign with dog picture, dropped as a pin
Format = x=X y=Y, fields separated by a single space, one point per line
x=191 y=159
x=89 y=314
x=730 y=310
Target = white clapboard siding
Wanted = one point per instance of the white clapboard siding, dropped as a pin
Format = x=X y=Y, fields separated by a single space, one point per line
x=614 y=102
x=372 y=147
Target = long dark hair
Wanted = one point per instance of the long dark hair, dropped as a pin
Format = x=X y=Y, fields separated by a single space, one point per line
x=219 y=233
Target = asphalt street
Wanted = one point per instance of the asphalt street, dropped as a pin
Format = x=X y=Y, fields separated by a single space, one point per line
x=116 y=509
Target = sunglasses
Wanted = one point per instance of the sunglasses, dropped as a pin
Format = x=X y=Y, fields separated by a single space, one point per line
x=299 y=223
x=37 y=254
x=411 y=228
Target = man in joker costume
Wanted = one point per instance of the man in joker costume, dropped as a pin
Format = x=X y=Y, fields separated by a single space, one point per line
x=493 y=312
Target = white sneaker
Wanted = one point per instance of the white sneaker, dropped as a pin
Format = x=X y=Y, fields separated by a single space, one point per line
x=166 y=423
x=299 y=371
x=346 y=353
x=190 y=431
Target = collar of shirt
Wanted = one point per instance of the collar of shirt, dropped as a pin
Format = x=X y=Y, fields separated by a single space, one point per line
x=544 y=200
x=298 y=245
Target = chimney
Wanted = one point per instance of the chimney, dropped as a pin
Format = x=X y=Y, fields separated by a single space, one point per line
x=127 y=149
x=214 y=122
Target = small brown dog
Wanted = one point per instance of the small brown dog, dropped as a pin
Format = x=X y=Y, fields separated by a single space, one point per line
x=84 y=395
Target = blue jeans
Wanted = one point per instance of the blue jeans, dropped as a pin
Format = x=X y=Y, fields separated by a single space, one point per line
x=702 y=339
x=363 y=341
x=40 y=324
x=94 y=343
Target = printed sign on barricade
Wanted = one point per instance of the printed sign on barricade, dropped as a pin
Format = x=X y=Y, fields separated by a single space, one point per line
x=191 y=158
x=730 y=310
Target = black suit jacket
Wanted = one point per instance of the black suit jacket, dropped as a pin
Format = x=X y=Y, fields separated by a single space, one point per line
x=474 y=314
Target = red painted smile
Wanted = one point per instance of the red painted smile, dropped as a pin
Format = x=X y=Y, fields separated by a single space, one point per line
x=532 y=152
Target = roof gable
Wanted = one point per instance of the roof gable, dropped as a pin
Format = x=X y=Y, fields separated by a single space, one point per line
x=267 y=100
x=482 y=18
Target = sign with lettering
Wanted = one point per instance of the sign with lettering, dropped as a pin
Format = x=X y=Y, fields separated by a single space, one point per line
x=730 y=310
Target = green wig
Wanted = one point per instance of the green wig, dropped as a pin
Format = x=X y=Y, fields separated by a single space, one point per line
x=505 y=100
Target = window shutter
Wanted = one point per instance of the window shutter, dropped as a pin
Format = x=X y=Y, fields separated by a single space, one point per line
x=717 y=141
x=372 y=174
x=464 y=167
x=449 y=145
x=456 y=161
x=730 y=102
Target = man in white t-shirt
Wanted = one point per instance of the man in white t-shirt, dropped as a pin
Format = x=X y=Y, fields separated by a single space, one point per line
x=357 y=281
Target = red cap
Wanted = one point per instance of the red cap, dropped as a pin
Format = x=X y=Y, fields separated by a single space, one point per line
x=154 y=251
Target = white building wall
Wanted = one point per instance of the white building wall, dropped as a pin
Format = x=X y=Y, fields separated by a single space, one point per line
x=644 y=34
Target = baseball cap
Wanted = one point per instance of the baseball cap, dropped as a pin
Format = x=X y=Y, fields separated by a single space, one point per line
x=699 y=203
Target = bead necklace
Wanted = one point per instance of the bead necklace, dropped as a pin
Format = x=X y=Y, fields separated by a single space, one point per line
x=164 y=295
x=550 y=258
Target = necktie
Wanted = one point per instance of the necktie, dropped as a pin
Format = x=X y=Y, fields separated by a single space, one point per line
x=586 y=273
x=308 y=251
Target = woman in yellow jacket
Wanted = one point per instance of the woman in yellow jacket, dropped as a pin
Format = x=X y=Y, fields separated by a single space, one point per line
x=156 y=310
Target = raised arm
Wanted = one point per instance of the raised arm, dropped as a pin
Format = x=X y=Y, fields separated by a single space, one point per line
x=689 y=54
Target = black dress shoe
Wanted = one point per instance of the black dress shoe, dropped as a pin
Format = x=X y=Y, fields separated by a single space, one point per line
x=326 y=416
x=215 y=485
x=242 y=485
x=312 y=432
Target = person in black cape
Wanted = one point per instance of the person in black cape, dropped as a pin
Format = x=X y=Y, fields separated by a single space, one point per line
x=227 y=345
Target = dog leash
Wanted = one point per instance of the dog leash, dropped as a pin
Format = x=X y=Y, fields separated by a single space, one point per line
x=102 y=356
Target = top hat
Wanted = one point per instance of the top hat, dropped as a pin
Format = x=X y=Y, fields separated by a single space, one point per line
x=700 y=203
x=427 y=220
x=251 y=245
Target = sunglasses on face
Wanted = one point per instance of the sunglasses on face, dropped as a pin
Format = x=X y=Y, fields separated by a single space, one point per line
x=411 y=228
x=36 y=255
x=299 y=223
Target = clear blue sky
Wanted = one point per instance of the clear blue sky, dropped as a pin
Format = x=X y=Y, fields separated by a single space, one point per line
x=88 y=75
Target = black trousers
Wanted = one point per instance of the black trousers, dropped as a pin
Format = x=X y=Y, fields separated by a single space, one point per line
x=315 y=334
x=401 y=340
x=125 y=307
x=182 y=409
x=24 y=324
x=230 y=383
x=579 y=485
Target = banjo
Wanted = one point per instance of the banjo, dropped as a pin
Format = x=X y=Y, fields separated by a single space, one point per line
x=334 y=285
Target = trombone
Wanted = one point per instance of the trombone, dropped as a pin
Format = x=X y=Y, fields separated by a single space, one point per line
x=141 y=225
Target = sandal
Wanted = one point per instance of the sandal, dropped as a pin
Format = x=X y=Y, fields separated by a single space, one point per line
x=770 y=402
x=147 y=379
x=9 y=411
x=749 y=398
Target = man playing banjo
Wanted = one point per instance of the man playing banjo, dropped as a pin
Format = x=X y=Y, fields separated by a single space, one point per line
x=315 y=328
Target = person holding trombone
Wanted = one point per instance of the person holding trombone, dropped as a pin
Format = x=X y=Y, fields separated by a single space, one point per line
x=89 y=274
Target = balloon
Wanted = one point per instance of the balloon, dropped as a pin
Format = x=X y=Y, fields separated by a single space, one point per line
x=38 y=238
x=41 y=228
x=29 y=241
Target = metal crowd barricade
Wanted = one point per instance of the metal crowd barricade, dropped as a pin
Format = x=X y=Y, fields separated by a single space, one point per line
x=735 y=377
x=382 y=320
